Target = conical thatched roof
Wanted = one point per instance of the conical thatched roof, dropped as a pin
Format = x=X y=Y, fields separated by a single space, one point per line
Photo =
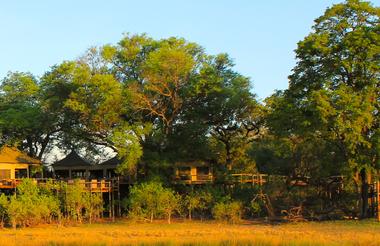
x=72 y=160
x=12 y=155
x=114 y=162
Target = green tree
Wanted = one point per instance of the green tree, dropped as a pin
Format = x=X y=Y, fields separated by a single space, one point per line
x=73 y=200
x=91 y=105
x=151 y=200
x=93 y=205
x=334 y=90
x=237 y=118
x=4 y=204
x=30 y=206
x=187 y=96
x=197 y=201
x=229 y=211
x=23 y=119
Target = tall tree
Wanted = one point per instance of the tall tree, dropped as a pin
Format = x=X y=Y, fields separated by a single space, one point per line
x=91 y=104
x=23 y=119
x=334 y=90
x=187 y=95
x=224 y=104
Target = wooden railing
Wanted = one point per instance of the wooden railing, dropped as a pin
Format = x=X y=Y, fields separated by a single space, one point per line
x=103 y=185
x=9 y=183
x=259 y=179
x=194 y=179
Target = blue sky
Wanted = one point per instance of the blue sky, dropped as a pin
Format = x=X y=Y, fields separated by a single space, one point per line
x=259 y=35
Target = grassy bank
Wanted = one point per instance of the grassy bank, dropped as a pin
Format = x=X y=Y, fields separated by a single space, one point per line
x=195 y=233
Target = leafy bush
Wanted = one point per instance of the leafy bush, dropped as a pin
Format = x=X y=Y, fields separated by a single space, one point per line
x=31 y=206
x=255 y=208
x=73 y=201
x=151 y=200
x=93 y=205
x=197 y=201
x=80 y=203
x=229 y=211
x=4 y=204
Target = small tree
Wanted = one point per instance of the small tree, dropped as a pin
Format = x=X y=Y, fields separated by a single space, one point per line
x=191 y=202
x=142 y=201
x=229 y=211
x=32 y=205
x=198 y=200
x=93 y=205
x=52 y=207
x=4 y=204
x=73 y=201
x=150 y=200
x=169 y=203
x=16 y=211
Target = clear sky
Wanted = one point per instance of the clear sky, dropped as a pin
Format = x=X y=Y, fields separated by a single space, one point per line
x=260 y=35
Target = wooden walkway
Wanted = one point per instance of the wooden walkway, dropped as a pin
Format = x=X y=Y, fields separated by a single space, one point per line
x=238 y=178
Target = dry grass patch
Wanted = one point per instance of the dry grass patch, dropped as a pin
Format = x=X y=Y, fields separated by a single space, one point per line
x=196 y=233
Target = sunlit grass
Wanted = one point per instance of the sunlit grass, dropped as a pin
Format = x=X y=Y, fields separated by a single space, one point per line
x=196 y=233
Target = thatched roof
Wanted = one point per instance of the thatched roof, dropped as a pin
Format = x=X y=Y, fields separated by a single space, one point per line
x=72 y=160
x=114 y=162
x=12 y=155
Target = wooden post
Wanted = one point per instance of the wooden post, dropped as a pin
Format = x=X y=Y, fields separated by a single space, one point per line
x=378 y=200
x=109 y=200
x=118 y=196
x=113 y=204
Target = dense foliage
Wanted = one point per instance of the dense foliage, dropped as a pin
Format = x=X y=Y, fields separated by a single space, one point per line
x=52 y=202
x=156 y=103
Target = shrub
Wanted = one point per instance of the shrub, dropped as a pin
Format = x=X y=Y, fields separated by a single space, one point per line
x=80 y=203
x=4 y=204
x=229 y=211
x=16 y=212
x=29 y=205
x=93 y=205
x=151 y=200
x=169 y=203
x=255 y=208
x=73 y=201
x=197 y=201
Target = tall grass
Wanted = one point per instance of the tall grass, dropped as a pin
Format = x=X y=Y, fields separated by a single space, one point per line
x=195 y=233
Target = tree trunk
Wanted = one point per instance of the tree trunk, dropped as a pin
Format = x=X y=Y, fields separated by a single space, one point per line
x=228 y=157
x=364 y=194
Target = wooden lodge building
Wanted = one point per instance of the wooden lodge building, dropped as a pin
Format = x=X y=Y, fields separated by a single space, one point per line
x=75 y=167
x=15 y=164
x=188 y=173
x=194 y=172
x=201 y=172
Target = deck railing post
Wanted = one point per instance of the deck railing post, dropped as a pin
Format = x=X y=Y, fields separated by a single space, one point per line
x=378 y=199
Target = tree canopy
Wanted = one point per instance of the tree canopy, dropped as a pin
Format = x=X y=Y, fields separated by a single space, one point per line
x=155 y=103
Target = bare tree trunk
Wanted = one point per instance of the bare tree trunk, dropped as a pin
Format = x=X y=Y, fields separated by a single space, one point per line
x=169 y=217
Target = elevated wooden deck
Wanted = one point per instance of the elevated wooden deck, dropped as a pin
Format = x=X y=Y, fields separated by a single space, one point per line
x=247 y=178
x=238 y=178
x=193 y=179
x=103 y=185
